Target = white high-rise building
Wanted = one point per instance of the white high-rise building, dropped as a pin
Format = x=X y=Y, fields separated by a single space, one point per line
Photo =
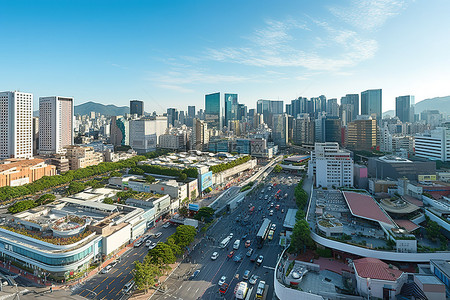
x=55 y=124
x=16 y=127
x=434 y=145
x=145 y=132
x=385 y=139
x=331 y=166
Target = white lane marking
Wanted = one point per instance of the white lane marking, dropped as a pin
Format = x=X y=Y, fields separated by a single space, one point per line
x=270 y=268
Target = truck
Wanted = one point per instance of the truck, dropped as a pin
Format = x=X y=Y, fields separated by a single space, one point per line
x=262 y=232
x=225 y=242
x=260 y=289
x=241 y=290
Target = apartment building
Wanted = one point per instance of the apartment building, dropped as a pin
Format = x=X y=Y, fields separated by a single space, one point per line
x=82 y=157
x=435 y=144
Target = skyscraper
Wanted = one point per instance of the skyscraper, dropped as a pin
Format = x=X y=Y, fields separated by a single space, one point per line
x=213 y=111
x=268 y=108
x=280 y=129
x=16 y=129
x=137 y=107
x=362 y=133
x=332 y=107
x=172 y=116
x=242 y=112
x=55 y=124
x=351 y=99
x=404 y=108
x=371 y=103
x=231 y=107
x=191 y=111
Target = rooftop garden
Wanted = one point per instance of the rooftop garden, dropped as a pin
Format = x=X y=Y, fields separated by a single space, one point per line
x=69 y=222
x=48 y=239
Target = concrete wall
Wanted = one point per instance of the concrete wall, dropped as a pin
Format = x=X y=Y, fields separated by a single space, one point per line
x=221 y=177
x=117 y=239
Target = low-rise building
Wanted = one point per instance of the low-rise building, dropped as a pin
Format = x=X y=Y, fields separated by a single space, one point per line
x=82 y=157
x=395 y=167
x=15 y=172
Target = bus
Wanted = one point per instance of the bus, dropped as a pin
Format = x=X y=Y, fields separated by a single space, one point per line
x=241 y=290
x=262 y=232
x=225 y=242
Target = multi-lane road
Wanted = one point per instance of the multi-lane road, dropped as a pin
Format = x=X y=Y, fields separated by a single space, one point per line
x=110 y=285
x=181 y=286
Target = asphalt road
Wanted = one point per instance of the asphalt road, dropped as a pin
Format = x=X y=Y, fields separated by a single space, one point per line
x=109 y=286
x=179 y=286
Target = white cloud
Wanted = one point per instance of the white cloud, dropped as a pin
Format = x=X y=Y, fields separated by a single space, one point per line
x=175 y=88
x=368 y=14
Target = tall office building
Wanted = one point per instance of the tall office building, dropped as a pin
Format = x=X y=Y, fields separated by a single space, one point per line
x=362 y=133
x=320 y=104
x=231 y=108
x=55 y=124
x=435 y=144
x=303 y=130
x=404 y=108
x=35 y=135
x=280 y=130
x=191 y=111
x=353 y=100
x=268 y=108
x=200 y=137
x=172 y=116
x=145 y=132
x=332 y=107
x=242 y=112
x=16 y=128
x=137 y=107
x=120 y=131
x=213 y=111
x=371 y=103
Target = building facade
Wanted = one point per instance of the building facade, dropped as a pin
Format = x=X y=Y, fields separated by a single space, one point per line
x=435 y=144
x=362 y=134
x=82 y=157
x=137 y=107
x=213 y=111
x=404 y=108
x=145 y=133
x=16 y=128
x=15 y=172
x=371 y=104
x=56 y=124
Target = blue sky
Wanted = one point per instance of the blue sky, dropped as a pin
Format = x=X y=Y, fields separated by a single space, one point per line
x=172 y=53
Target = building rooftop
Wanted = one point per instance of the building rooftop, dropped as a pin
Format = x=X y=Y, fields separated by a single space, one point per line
x=364 y=206
x=374 y=268
x=8 y=164
x=428 y=279
x=394 y=159
x=398 y=206
x=443 y=265
x=297 y=158
x=289 y=220
x=91 y=204
x=407 y=224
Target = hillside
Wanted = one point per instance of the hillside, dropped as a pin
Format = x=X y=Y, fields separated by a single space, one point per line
x=107 y=110
x=440 y=103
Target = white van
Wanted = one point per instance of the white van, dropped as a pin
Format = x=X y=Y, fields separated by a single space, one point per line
x=128 y=287
x=236 y=244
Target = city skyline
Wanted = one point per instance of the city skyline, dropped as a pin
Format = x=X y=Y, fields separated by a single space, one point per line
x=272 y=52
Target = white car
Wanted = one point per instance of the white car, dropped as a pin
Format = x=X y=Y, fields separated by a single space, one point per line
x=260 y=260
x=222 y=280
x=231 y=235
x=106 y=269
x=215 y=255
x=166 y=225
x=148 y=243
x=152 y=245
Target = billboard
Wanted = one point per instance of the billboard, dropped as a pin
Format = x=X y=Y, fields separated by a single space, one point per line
x=205 y=180
x=427 y=177
x=194 y=207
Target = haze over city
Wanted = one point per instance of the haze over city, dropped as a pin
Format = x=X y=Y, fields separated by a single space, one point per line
x=176 y=52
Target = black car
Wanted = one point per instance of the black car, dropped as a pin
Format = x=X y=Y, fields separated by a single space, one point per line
x=254 y=257
x=238 y=257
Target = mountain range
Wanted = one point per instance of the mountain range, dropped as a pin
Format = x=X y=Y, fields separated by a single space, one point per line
x=440 y=103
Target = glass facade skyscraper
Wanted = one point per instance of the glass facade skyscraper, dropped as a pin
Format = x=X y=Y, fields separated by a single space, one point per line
x=213 y=115
x=137 y=107
x=353 y=100
x=404 y=108
x=231 y=107
x=371 y=104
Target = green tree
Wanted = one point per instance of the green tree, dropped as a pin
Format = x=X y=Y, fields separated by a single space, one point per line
x=150 y=178
x=193 y=195
x=205 y=214
x=182 y=177
x=108 y=200
x=183 y=211
x=277 y=169
x=162 y=254
x=21 y=206
x=115 y=174
x=146 y=274
x=75 y=187
x=176 y=249
x=45 y=199
x=136 y=171
x=184 y=235
x=301 y=237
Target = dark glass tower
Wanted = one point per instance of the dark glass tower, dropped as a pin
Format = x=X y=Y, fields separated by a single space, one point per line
x=137 y=107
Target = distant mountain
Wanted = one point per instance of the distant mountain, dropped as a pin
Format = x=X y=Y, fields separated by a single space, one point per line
x=107 y=110
x=440 y=103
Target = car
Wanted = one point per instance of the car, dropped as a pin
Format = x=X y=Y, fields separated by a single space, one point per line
x=282 y=211
x=259 y=208
x=260 y=197
x=148 y=243
x=253 y=257
x=230 y=255
x=278 y=206
x=114 y=263
x=138 y=243
x=158 y=234
x=166 y=225
x=223 y=288
x=237 y=257
x=273 y=226
x=253 y=279
x=246 y=274
x=153 y=245
x=231 y=235
x=146 y=237
x=222 y=280
x=249 y=252
x=215 y=255
x=259 y=260
x=247 y=243
x=271 y=212
x=195 y=274
x=271 y=204
x=106 y=269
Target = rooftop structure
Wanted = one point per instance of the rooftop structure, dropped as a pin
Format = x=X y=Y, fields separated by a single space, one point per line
x=289 y=220
x=15 y=172
x=364 y=206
